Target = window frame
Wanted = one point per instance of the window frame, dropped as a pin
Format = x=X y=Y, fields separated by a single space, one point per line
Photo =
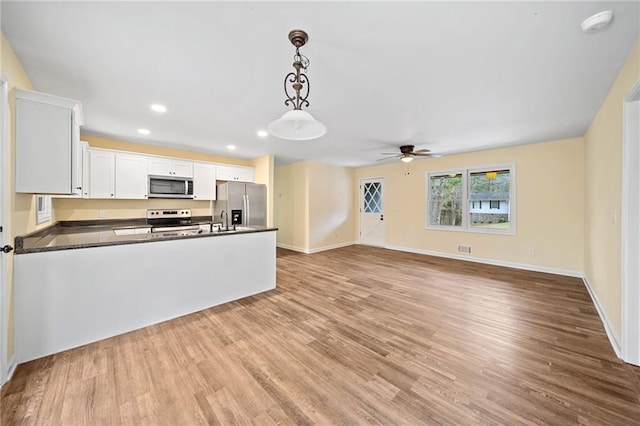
x=466 y=173
x=43 y=215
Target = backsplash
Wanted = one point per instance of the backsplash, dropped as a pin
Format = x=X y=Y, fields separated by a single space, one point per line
x=89 y=209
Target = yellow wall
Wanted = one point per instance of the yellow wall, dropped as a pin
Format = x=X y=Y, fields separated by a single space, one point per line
x=549 y=206
x=99 y=142
x=314 y=206
x=21 y=206
x=331 y=206
x=603 y=194
x=81 y=209
x=264 y=173
x=292 y=205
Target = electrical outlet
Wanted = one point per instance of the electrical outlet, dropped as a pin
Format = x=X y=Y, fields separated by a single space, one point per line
x=103 y=214
x=464 y=249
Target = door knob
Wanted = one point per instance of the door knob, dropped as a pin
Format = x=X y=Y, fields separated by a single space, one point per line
x=7 y=249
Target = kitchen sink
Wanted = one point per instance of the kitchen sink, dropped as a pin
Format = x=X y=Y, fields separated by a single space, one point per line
x=231 y=230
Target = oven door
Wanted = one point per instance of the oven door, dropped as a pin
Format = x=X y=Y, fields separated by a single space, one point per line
x=170 y=187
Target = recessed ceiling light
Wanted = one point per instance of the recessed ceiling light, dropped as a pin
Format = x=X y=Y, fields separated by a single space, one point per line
x=597 y=22
x=144 y=131
x=231 y=147
x=159 y=108
x=263 y=133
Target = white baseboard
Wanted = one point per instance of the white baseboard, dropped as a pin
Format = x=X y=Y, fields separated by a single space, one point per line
x=524 y=266
x=611 y=333
x=332 y=246
x=315 y=250
x=11 y=368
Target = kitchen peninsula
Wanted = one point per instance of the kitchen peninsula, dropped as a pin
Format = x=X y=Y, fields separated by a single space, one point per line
x=93 y=284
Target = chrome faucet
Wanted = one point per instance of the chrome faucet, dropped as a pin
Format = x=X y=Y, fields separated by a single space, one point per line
x=226 y=222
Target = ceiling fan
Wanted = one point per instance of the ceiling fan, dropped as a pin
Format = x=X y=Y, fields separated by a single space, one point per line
x=407 y=154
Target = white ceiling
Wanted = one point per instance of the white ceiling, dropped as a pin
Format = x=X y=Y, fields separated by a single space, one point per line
x=449 y=76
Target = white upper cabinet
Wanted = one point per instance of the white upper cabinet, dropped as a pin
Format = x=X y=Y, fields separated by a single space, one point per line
x=131 y=176
x=204 y=181
x=102 y=179
x=235 y=173
x=170 y=167
x=47 y=141
x=82 y=171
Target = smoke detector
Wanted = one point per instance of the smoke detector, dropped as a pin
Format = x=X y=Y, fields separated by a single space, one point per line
x=597 y=22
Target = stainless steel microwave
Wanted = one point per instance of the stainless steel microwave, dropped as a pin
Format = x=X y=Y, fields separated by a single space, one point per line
x=170 y=187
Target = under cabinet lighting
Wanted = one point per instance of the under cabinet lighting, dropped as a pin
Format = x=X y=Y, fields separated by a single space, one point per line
x=144 y=131
x=262 y=133
x=231 y=147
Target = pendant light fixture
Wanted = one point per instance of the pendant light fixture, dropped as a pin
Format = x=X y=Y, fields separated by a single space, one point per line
x=297 y=125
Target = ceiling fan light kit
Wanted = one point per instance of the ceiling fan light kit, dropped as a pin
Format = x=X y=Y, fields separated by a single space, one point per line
x=297 y=125
x=407 y=154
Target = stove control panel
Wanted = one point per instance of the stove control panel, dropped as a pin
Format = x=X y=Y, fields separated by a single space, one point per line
x=169 y=214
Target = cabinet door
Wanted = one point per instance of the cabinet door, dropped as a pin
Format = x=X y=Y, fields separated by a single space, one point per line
x=101 y=174
x=245 y=174
x=43 y=148
x=204 y=181
x=170 y=167
x=82 y=171
x=182 y=168
x=131 y=176
x=160 y=166
x=235 y=173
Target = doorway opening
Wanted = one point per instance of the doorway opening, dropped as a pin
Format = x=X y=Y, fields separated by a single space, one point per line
x=630 y=227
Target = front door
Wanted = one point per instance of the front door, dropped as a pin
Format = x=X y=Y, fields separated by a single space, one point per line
x=371 y=212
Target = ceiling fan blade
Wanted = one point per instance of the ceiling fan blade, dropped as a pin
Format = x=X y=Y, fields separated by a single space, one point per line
x=421 y=150
x=387 y=158
x=430 y=154
x=389 y=153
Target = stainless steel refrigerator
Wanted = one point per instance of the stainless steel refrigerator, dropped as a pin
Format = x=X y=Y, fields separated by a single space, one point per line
x=245 y=203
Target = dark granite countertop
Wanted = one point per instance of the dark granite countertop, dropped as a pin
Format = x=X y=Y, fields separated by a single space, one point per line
x=80 y=234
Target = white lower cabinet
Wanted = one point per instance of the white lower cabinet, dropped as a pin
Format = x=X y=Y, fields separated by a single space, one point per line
x=204 y=181
x=68 y=298
x=131 y=176
x=102 y=174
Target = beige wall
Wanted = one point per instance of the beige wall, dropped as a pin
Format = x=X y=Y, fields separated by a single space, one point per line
x=81 y=209
x=264 y=173
x=603 y=193
x=549 y=200
x=314 y=206
x=292 y=205
x=331 y=206
x=107 y=143
x=20 y=206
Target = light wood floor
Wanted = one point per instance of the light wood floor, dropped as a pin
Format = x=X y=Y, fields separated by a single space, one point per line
x=356 y=335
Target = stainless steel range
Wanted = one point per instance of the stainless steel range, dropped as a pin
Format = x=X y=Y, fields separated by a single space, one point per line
x=172 y=221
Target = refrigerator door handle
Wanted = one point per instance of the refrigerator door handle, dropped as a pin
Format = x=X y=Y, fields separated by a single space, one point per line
x=244 y=210
x=248 y=218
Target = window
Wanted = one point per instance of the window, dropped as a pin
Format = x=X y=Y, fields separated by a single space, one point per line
x=43 y=208
x=372 y=197
x=445 y=200
x=455 y=200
